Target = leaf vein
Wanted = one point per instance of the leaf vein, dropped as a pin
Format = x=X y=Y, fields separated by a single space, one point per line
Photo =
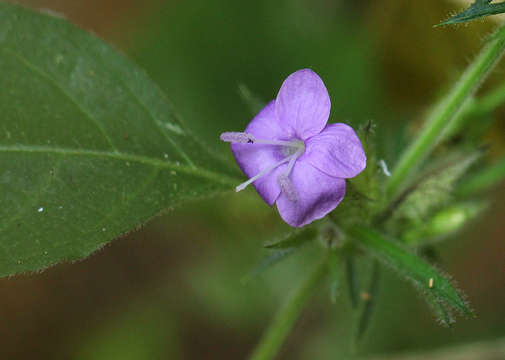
x=157 y=123
x=47 y=77
x=158 y=163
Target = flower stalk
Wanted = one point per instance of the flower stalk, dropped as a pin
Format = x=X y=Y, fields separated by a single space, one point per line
x=283 y=322
x=446 y=112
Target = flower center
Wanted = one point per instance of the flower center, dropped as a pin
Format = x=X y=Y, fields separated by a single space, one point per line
x=295 y=145
x=291 y=149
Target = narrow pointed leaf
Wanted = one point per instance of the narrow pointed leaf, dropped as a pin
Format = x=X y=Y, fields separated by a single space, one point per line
x=425 y=277
x=90 y=148
x=443 y=313
x=477 y=10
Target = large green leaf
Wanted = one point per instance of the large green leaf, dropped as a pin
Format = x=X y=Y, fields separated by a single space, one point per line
x=90 y=148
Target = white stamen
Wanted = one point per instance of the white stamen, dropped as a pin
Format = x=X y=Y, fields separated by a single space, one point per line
x=287 y=187
x=294 y=157
x=283 y=179
x=261 y=173
x=284 y=182
x=277 y=142
x=237 y=137
x=245 y=138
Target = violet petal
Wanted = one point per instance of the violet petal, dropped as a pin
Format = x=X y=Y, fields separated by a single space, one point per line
x=317 y=195
x=303 y=104
x=252 y=158
x=336 y=151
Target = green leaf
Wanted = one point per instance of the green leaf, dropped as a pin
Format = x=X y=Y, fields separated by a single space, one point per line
x=90 y=148
x=444 y=314
x=425 y=277
x=478 y=9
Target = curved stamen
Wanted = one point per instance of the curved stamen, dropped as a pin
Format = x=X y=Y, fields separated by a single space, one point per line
x=286 y=185
x=295 y=156
x=261 y=173
x=283 y=179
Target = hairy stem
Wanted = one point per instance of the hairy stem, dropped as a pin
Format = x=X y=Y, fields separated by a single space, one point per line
x=283 y=322
x=446 y=112
x=476 y=107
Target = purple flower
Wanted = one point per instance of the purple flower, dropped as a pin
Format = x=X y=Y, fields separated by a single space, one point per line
x=292 y=157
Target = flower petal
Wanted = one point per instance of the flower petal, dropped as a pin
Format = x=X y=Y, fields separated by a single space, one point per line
x=252 y=158
x=336 y=151
x=317 y=195
x=303 y=104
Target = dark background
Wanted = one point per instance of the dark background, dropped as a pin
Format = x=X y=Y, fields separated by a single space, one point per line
x=173 y=289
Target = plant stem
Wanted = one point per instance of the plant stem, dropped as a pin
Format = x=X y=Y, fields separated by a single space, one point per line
x=275 y=335
x=443 y=114
x=475 y=107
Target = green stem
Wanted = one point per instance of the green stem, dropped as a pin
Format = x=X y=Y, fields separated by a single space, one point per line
x=443 y=114
x=476 y=107
x=283 y=322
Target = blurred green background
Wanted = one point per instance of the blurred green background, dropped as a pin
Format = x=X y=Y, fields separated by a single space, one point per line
x=173 y=290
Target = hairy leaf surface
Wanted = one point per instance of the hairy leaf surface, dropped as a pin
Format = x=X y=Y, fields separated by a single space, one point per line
x=478 y=9
x=90 y=148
